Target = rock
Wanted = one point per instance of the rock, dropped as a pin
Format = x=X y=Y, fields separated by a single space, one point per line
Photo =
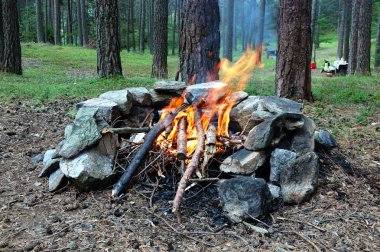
x=210 y=92
x=293 y=124
x=56 y=180
x=106 y=110
x=262 y=135
x=278 y=160
x=299 y=179
x=123 y=99
x=237 y=97
x=168 y=86
x=242 y=113
x=275 y=191
x=140 y=96
x=243 y=197
x=36 y=159
x=279 y=105
x=50 y=164
x=85 y=133
x=68 y=131
x=160 y=100
x=140 y=116
x=243 y=162
x=259 y=116
x=303 y=140
x=325 y=139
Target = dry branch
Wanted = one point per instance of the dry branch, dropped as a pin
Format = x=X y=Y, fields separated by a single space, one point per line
x=194 y=162
x=144 y=149
x=210 y=147
x=126 y=130
x=181 y=139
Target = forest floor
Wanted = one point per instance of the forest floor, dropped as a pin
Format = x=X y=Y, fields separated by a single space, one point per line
x=343 y=215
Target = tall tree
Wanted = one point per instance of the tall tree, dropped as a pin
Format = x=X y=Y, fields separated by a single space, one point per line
x=12 y=46
x=260 y=37
x=1 y=36
x=151 y=25
x=107 y=38
x=341 y=23
x=314 y=17
x=160 y=39
x=57 y=22
x=199 y=41
x=229 y=30
x=79 y=22
x=293 y=76
x=83 y=14
x=176 y=7
x=354 y=36
x=69 y=25
x=347 y=29
x=39 y=22
x=377 y=50
x=364 y=39
x=142 y=27
x=128 y=25
x=132 y=17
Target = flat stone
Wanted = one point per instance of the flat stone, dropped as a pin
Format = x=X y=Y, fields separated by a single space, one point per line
x=85 y=133
x=243 y=162
x=303 y=140
x=106 y=110
x=50 y=164
x=324 y=139
x=160 y=100
x=243 y=197
x=57 y=180
x=123 y=99
x=68 y=130
x=259 y=116
x=242 y=113
x=141 y=96
x=279 y=159
x=237 y=97
x=210 y=92
x=299 y=179
x=169 y=86
x=279 y=105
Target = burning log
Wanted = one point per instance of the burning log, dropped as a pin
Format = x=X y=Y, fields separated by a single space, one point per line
x=182 y=139
x=144 y=149
x=210 y=147
x=194 y=162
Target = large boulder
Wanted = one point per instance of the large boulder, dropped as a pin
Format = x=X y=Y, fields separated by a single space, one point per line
x=243 y=197
x=324 y=139
x=279 y=159
x=123 y=99
x=299 y=179
x=303 y=140
x=168 y=86
x=50 y=164
x=141 y=96
x=106 y=110
x=243 y=162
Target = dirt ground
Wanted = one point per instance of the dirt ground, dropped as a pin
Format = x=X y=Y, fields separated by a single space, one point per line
x=344 y=214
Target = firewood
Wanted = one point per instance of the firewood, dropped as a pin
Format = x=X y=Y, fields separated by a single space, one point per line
x=194 y=163
x=144 y=149
x=125 y=130
x=181 y=139
x=210 y=147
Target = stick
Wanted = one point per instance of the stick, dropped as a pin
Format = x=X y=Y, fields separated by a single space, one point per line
x=181 y=139
x=125 y=130
x=194 y=162
x=210 y=147
x=144 y=149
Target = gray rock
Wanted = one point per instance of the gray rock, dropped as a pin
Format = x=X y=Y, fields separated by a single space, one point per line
x=242 y=113
x=50 y=164
x=279 y=159
x=168 y=86
x=325 y=139
x=210 y=92
x=259 y=116
x=275 y=191
x=303 y=140
x=237 y=97
x=160 y=100
x=36 y=159
x=293 y=124
x=68 y=131
x=85 y=133
x=123 y=98
x=140 y=116
x=279 y=105
x=243 y=197
x=106 y=110
x=299 y=179
x=141 y=96
x=57 y=180
x=243 y=162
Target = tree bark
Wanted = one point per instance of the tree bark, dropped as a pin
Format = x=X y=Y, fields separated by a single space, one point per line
x=260 y=38
x=347 y=29
x=293 y=76
x=12 y=46
x=229 y=30
x=69 y=25
x=83 y=14
x=47 y=20
x=364 y=39
x=151 y=26
x=317 y=27
x=79 y=23
x=107 y=38
x=354 y=36
x=160 y=39
x=342 y=21
x=57 y=22
x=142 y=27
x=128 y=18
x=199 y=41
x=314 y=17
x=377 y=50
x=39 y=22
x=132 y=16
x=174 y=26
x=1 y=36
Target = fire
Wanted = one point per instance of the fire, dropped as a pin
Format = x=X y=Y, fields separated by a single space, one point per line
x=215 y=109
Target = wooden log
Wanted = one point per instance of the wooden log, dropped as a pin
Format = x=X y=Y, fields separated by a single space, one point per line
x=182 y=139
x=144 y=149
x=125 y=130
x=194 y=163
x=210 y=147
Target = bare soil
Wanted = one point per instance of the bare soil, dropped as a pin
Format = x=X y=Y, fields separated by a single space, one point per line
x=344 y=214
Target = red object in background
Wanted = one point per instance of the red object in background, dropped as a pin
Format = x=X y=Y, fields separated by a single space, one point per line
x=313 y=65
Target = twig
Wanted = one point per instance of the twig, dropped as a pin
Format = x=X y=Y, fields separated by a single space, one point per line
x=152 y=195
x=308 y=223
x=125 y=130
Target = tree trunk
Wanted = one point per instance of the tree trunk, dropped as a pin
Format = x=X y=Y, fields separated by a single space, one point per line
x=12 y=46
x=377 y=50
x=69 y=25
x=128 y=25
x=160 y=39
x=107 y=38
x=354 y=36
x=199 y=41
x=132 y=16
x=342 y=21
x=347 y=29
x=151 y=26
x=242 y=24
x=142 y=27
x=174 y=26
x=317 y=27
x=83 y=8
x=1 y=37
x=229 y=30
x=260 y=37
x=57 y=22
x=79 y=23
x=39 y=21
x=293 y=76
x=46 y=20
x=364 y=39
